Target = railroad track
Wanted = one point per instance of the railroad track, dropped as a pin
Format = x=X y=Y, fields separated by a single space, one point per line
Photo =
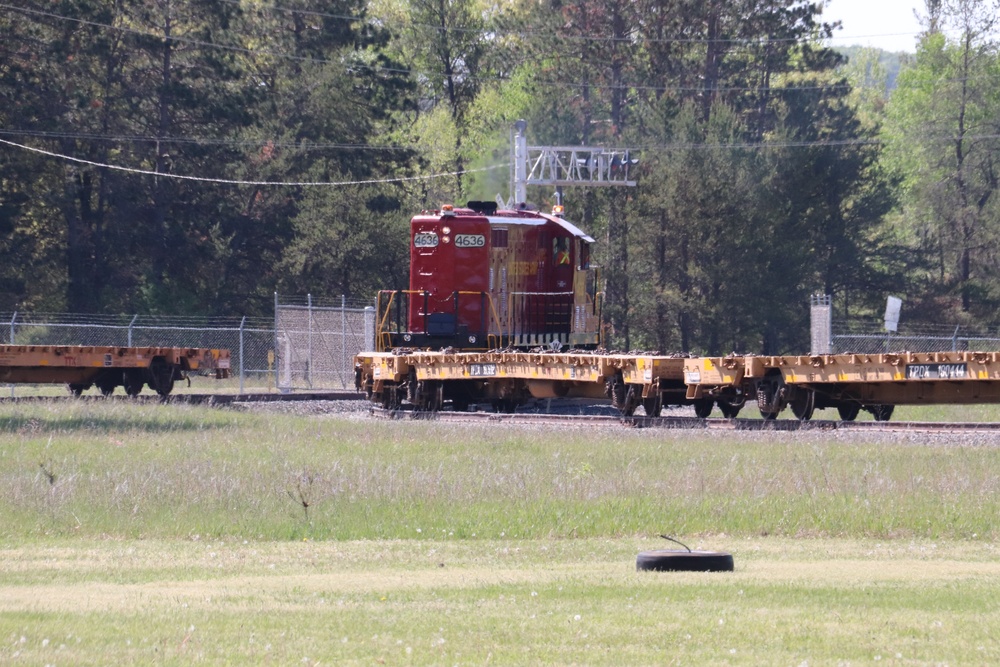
x=687 y=423
x=545 y=419
x=200 y=399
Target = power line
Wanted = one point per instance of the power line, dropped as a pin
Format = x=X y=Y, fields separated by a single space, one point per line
x=223 y=181
x=201 y=141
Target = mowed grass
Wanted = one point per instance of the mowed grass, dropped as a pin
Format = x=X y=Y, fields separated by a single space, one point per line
x=178 y=534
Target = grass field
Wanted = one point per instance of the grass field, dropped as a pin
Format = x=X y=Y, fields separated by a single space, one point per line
x=177 y=534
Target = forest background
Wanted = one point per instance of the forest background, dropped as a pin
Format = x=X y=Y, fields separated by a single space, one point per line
x=771 y=167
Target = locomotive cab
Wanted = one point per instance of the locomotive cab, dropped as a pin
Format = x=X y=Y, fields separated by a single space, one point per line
x=482 y=278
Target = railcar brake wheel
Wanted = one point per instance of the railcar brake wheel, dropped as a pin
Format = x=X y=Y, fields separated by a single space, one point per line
x=677 y=560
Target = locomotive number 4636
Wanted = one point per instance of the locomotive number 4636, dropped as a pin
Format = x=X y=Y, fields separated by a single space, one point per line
x=470 y=241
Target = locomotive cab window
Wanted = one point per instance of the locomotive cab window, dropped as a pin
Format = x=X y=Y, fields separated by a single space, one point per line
x=560 y=251
x=584 y=255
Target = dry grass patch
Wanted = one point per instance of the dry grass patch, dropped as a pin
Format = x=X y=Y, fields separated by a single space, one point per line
x=509 y=602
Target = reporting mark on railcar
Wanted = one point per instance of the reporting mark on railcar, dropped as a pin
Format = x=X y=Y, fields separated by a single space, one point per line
x=937 y=371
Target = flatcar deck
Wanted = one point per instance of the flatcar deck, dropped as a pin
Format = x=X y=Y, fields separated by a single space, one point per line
x=847 y=383
x=107 y=367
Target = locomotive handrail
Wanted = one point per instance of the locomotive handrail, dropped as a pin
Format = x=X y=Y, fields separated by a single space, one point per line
x=387 y=299
x=382 y=336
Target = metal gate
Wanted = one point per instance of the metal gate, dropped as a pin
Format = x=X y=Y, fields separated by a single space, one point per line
x=315 y=341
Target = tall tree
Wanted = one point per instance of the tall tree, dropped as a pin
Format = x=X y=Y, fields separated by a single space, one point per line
x=942 y=131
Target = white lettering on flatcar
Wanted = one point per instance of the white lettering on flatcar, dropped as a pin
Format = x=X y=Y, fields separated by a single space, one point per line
x=425 y=240
x=937 y=372
x=470 y=241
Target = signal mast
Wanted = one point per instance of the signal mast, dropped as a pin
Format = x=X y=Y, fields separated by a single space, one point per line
x=560 y=166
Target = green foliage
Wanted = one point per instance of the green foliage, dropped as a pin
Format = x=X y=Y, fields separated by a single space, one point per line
x=941 y=138
x=761 y=175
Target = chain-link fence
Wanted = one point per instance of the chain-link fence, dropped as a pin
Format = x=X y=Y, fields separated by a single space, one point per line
x=316 y=341
x=870 y=337
x=310 y=344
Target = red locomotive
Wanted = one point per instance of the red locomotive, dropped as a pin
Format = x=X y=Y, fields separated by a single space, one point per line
x=482 y=278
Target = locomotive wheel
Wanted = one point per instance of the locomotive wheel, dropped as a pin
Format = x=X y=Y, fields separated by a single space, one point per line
x=881 y=413
x=653 y=405
x=675 y=560
x=803 y=404
x=703 y=407
x=848 y=411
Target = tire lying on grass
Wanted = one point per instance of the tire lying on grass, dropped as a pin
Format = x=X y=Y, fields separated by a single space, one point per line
x=676 y=560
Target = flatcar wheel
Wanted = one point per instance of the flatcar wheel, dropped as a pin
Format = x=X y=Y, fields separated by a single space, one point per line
x=133 y=382
x=729 y=409
x=703 y=407
x=618 y=391
x=848 y=411
x=161 y=377
x=390 y=397
x=77 y=389
x=881 y=413
x=107 y=385
x=766 y=398
x=803 y=404
x=653 y=405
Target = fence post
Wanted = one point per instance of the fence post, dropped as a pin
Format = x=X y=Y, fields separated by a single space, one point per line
x=130 y=325
x=954 y=339
x=343 y=341
x=369 y=329
x=277 y=354
x=12 y=320
x=309 y=352
x=242 y=323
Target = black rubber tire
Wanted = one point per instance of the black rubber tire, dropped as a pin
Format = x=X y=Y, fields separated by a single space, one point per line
x=676 y=560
